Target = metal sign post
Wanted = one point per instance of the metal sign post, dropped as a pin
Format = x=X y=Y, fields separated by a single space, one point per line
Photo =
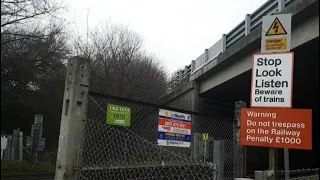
x=205 y=137
x=276 y=37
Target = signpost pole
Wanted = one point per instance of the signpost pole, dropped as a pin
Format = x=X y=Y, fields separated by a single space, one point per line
x=272 y=162
x=276 y=37
x=204 y=151
x=205 y=137
x=286 y=164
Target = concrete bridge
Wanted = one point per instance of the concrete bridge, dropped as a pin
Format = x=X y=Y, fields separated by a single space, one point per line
x=227 y=78
x=214 y=88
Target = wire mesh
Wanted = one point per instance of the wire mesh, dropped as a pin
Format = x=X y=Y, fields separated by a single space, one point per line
x=257 y=158
x=117 y=152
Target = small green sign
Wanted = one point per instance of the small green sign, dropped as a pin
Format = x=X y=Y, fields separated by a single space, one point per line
x=118 y=115
x=205 y=136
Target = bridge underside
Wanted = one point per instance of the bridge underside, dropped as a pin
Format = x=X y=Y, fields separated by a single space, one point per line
x=305 y=95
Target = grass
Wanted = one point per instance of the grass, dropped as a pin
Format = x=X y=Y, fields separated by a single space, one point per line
x=15 y=166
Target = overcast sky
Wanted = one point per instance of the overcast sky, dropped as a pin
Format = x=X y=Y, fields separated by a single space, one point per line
x=177 y=31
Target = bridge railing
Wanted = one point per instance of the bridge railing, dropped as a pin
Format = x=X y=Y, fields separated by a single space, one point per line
x=251 y=22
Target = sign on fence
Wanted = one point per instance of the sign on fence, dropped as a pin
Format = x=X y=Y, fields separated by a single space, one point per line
x=118 y=115
x=41 y=143
x=272 y=79
x=276 y=33
x=174 y=129
x=276 y=128
x=205 y=136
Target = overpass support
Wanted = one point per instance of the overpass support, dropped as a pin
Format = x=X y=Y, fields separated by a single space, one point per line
x=184 y=97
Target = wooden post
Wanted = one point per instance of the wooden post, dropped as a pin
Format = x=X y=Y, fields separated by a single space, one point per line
x=240 y=151
x=73 y=114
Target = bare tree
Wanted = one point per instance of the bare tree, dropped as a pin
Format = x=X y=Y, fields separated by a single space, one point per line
x=120 y=66
x=26 y=14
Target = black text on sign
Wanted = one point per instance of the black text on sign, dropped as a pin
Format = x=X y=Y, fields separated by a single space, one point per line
x=272 y=80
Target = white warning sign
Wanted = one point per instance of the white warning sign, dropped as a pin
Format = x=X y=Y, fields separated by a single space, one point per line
x=272 y=80
x=276 y=33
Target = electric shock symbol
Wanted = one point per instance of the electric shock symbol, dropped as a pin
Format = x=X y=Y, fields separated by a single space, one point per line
x=276 y=28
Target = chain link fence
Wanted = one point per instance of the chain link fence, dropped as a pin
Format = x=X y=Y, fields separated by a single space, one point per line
x=257 y=158
x=11 y=151
x=117 y=152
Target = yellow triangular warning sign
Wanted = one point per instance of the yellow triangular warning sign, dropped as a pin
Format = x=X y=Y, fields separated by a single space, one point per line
x=276 y=28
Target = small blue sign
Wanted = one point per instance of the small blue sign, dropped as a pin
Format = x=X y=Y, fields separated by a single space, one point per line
x=174 y=136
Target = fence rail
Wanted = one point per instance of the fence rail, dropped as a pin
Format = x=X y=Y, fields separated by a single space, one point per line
x=301 y=174
x=250 y=23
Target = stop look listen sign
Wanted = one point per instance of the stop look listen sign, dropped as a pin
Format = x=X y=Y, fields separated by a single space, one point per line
x=272 y=80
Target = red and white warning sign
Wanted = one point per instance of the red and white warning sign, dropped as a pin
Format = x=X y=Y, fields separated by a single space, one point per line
x=276 y=128
x=272 y=80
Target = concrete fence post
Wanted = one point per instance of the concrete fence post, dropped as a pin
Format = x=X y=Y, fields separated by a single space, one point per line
x=247 y=24
x=197 y=148
x=21 y=146
x=185 y=72
x=193 y=66
x=281 y=5
x=8 y=149
x=240 y=151
x=206 y=55
x=35 y=143
x=224 y=42
x=4 y=146
x=73 y=114
x=219 y=158
x=15 y=145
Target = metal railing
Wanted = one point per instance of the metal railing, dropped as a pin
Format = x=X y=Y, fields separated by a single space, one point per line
x=250 y=23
